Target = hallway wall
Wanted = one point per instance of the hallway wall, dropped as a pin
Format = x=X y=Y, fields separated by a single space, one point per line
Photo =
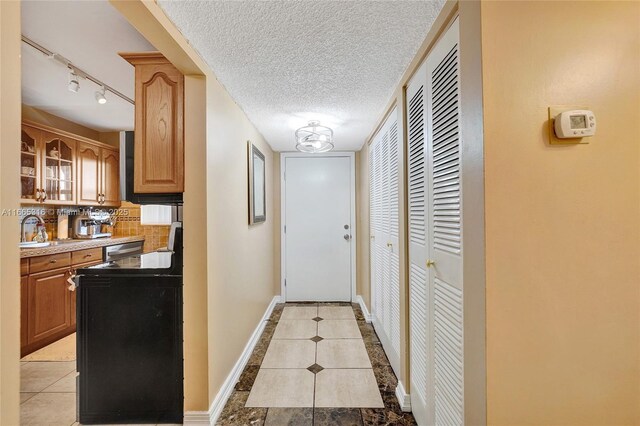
x=562 y=222
x=43 y=117
x=229 y=265
x=9 y=199
x=240 y=257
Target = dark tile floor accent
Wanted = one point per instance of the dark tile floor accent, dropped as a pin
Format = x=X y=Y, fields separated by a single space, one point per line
x=289 y=417
x=236 y=414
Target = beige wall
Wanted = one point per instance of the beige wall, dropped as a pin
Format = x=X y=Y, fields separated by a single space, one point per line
x=562 y=222
x=229 y=265
x=240 y=257
x=9 y=275
x=43 y=117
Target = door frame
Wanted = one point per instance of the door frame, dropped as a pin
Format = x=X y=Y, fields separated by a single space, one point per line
x=352 y=189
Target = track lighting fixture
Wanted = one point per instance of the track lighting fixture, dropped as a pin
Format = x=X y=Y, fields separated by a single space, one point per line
x=100 y=98
x=74 y=83
x=76 y=73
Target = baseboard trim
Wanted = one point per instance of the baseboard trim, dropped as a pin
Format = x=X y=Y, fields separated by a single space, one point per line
x=363 y=307
x=404 y=399
x=196 y=418
x=227 y=387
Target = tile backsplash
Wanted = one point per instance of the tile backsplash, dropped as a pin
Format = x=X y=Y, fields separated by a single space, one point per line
x=155 y=236
x=127 y=224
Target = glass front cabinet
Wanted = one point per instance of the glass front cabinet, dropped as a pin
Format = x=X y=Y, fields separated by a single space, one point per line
x=47 y=169
x=60 y=168
x=30 y=164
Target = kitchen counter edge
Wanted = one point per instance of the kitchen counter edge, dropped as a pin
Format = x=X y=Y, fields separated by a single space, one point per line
x=80 y=245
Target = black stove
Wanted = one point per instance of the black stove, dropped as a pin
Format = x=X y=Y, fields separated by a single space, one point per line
x=129 y=338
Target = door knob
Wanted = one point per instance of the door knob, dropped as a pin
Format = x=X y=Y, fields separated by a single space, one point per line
x=430 y=263
x=347 y=237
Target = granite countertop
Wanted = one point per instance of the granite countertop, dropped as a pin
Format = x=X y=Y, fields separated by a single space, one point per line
x=77 y=245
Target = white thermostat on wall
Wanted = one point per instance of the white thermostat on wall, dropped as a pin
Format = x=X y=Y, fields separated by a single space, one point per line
x=577 y=123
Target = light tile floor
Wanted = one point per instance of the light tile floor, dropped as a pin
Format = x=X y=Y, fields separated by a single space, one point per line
x=309 y=373
x=48 y=393
x=294 y=371
x=316 y=364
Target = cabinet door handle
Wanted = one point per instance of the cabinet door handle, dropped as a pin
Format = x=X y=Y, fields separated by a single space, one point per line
x=88 y=255
x=53 y=261
x=44 y=196
x=72 y=283
x=37 y=194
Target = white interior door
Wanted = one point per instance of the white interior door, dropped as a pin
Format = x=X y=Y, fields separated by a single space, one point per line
x=317 y=220
x=435 y=236
x=384 y=249
x=418 y=279
x=444 y=146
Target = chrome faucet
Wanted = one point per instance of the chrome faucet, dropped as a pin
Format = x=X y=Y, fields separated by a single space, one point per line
x=23 y=238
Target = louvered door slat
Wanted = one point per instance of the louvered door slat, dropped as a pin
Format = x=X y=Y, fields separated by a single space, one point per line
x=393 y=180
x=385 y=209
x=448 y=353
x=446 y=162
x=417 y=232
x=421 y=382
x=445 y=234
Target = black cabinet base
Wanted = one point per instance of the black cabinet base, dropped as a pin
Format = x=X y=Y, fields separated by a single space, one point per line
x=130 y=364
x=129 y=418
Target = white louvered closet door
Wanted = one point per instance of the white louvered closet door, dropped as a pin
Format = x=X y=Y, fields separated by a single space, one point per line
x=385 y=261
x=418 y=278
x=435 y=237
x=445 y=228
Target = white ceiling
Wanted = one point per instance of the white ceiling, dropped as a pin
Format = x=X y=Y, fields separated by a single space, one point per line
x=89 y=34
x=286 y=62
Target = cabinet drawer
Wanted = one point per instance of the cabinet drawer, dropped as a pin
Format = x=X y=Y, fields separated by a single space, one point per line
x=24 y=267
x=85 y=256
x=46 y=263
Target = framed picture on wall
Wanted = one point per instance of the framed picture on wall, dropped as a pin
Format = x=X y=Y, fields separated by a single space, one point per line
x=257 y=185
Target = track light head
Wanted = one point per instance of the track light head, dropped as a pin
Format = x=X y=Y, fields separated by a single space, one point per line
x=74 y=83
x=100 y=98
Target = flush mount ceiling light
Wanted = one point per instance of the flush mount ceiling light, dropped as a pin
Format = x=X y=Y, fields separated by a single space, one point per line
x=314 y=138
x=74 y=83
x=100 y=96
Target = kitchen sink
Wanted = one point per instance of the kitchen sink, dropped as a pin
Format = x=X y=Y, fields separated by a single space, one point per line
x=33 y=244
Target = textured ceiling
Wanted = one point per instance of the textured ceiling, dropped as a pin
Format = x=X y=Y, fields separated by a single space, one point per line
x=285 y=62
x=89 y=34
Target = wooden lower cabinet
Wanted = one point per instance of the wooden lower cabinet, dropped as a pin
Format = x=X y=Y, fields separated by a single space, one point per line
x=48 y=308
x=24 y=309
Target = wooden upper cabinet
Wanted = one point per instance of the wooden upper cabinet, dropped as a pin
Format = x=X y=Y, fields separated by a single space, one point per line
x=110 y=177
x=60 y=168
x=159 y=124
x=98 y=175
x=30 y=164
x=88 y=174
